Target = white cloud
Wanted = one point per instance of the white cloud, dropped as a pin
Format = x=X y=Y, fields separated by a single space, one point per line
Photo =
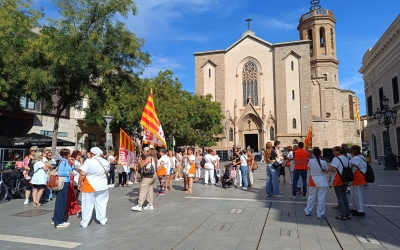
x=354 y=83
x=156 y=17
x=194 y=37
x=160 y=63
x=277 y=24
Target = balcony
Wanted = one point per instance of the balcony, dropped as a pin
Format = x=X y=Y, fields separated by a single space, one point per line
x=320 y=12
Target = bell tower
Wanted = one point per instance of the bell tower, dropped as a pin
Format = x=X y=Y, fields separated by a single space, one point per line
x=318 y=25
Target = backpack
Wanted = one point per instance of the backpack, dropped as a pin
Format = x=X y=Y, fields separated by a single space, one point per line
x=369 y=174
x=347 y=174
x=202 y=162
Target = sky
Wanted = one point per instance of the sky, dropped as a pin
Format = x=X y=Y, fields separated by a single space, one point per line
x=175 y=29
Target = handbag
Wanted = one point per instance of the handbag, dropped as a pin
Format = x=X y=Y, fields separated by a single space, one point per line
x=56 y=183
x=149 y=171
x=276 y=164
x=255 y=166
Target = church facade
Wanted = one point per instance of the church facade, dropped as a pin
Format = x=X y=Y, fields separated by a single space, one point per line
x=278 y=91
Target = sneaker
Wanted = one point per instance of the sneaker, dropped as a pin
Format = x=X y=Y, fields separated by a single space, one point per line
x=52 y=223
x=292 y=197
x=307 y=214
x=303 y=197
x=47 y=200
x=26 y=202
x=148 y=207
x=177 y=179
x=244 y=188
x=64 y=224
x=130 y=183
x=278 y=196
x=111 y=186
x=181 y=178
x=205 y=183
x=137 y=208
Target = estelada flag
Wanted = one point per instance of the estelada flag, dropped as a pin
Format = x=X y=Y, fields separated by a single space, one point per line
x=357 y=110
x=151 y=124
x=126 y=149
x=308 y=140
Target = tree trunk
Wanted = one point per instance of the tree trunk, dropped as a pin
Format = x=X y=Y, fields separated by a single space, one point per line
x=55 y=130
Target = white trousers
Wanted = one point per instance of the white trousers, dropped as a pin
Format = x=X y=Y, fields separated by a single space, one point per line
x=239 y=176
x=250 y=175
x=198 y=172
x=99 y=201
x=209 y=174
x=312 y=195
x=357 y=197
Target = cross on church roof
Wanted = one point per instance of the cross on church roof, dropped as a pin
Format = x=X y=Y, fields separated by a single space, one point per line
x=248 y=20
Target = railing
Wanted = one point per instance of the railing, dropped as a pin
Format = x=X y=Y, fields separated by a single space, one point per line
x=317 y=13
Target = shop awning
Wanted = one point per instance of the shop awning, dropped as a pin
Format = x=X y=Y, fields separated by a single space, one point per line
x=32 y=139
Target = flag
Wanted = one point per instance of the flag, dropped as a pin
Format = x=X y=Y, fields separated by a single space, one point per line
x=357 y=110
x=126 y=149
x=151 y=125
x=308 y=140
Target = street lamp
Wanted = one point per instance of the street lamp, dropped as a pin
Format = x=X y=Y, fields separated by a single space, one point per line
x=387 y=117
x=108 y=119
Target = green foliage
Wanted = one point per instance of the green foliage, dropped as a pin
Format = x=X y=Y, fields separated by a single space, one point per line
x=17 y=20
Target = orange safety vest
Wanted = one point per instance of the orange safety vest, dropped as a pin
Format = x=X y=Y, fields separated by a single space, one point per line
x=301 y=159
x=359 y=178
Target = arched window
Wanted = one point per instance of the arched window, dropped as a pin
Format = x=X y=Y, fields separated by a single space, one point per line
x=230 y=134
x=295 y=142
x=250 y=83
x=322 y=37
x=294 y=123
x=271 y=134
x=209 y=72
x=332 y=43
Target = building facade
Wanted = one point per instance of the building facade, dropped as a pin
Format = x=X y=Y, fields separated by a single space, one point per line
x=277 y=91
x=381 y=73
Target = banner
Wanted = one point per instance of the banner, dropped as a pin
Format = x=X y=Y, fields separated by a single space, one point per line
x=308 y=140
x=357 y=110
x=126 y=149
x=152 y=129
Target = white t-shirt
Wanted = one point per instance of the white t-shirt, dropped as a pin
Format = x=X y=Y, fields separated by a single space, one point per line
x=243 y=158
x=40 y=177
x=77 y=164
x=217 y=159
x=208 y=158
x=167 y=162
x=111 y=159
x=359 y=162
x=95 y=172
x=191 y=158
x=318 y=176
x=337 y=164
x=290 y=157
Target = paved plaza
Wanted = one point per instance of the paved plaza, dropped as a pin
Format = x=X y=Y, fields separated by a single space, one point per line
x=213 y=218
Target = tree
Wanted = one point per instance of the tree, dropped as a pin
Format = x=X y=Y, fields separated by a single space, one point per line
x=17 y=20
x=85 y=52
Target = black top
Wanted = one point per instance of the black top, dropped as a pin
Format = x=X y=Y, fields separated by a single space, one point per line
x=273 y=155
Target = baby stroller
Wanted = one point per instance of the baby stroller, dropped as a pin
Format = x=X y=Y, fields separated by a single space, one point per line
x=229 y=176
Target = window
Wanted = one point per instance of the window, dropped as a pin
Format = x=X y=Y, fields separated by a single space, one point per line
x=322 y=37
x=295 y=142
x=250 y=83
x=209 y=72
x=50 y=133
x=369 y=106
x=27 y=103
x=332 y=43
x=381 y=98
x=292 y=65
x=325 y=77
x=271 y=134
x=395 y=90
x=79 y=105
x=294 y=123
x=292 y=94
x=230 y=134
x=310 y=37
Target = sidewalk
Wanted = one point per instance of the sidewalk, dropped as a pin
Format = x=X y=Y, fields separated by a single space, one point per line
x=214 y=218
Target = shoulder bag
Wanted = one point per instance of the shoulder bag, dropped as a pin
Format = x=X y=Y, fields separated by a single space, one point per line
x=150 y=171
x=56 y=183
x=105 y=171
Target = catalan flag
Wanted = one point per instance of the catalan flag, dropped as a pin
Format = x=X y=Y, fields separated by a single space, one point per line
x=308 y=140
x=126 y=149
x=357 y=110
x=151 y=124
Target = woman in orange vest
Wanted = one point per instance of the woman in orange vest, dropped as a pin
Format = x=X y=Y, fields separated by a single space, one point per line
x=338 y=163
x=359 y=166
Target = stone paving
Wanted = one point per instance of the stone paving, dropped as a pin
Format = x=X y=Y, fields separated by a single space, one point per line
x=214 y=218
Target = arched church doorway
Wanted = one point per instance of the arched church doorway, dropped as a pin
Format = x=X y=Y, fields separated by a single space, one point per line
x=251 y=140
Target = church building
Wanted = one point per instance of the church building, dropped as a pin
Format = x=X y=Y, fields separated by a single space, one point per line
x=278 y=91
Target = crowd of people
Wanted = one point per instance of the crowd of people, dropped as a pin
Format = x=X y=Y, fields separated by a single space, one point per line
x=88 y=176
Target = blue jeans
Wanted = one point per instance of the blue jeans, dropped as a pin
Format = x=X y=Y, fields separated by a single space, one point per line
x=244 y=170
x=272 y=184
x=297 y=174
x=60 y=205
